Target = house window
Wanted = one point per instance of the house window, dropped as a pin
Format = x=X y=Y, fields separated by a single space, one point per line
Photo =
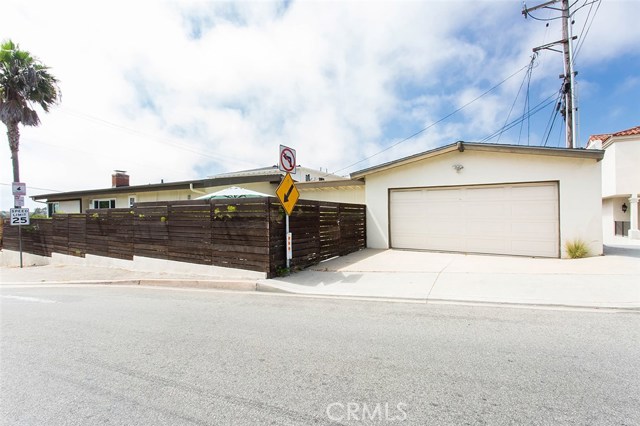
x=104 y=204
x=132 y=200
x=622 y=228
x=52 y=208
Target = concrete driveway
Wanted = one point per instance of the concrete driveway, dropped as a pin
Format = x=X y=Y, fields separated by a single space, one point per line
x=610 y=281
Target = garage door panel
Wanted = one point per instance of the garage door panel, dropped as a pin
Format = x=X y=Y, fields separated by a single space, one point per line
x=535 y=210
x=489 y=229
x=483 y=193
x=445 y=209
x=487 y=245
x=519 y=219
x=487 y=209
x=533 y=247
x=538 y=193
x=445 y=243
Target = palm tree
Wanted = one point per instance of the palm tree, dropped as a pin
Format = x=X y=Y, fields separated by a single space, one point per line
x=24 y=82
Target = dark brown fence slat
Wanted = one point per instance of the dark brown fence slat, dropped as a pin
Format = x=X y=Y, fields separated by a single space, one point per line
x=235 y=233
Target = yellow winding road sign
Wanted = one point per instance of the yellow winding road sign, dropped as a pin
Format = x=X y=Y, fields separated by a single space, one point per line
x=288 y=194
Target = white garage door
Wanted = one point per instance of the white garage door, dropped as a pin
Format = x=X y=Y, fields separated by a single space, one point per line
x=518 y=219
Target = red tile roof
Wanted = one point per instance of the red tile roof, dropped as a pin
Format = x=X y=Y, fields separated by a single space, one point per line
x=605 y=137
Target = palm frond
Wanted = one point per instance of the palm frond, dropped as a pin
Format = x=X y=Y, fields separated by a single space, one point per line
x=24 y=80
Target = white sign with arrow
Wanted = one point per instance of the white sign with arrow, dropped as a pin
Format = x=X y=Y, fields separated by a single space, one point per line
x=287 y=162
x=19 y=188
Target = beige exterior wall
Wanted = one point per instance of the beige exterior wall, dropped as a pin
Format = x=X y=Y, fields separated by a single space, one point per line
x=70 y=206
x=579 y=185
x=353 y=195
x=122 y=200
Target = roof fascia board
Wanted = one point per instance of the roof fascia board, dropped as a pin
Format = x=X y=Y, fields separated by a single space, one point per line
x=171 y=186
x=406 y=160
x=595 y=154
x=330 y=184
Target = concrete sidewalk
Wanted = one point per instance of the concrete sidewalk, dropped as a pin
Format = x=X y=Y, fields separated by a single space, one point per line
x=611 y=281
x=79 y=274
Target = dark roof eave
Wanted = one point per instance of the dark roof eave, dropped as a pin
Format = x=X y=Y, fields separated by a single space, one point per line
x=170 y=186
x=595 y=154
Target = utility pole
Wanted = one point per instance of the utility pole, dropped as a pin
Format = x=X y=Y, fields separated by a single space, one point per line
x=568 y=86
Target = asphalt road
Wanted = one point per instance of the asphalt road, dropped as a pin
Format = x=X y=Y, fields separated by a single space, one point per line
x=91 y=355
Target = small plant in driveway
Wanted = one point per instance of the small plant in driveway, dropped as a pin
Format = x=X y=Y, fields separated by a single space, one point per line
x=577 y=249
x=282 y=271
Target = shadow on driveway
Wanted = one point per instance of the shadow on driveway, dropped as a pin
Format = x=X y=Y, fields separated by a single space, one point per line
x=626 y=251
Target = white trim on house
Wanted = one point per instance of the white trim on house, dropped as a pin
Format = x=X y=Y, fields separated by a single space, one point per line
x=460 y=165
x=515 y=219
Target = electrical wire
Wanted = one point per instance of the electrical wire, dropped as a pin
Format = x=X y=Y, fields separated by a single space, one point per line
x=517 y=96
x=34 y=187
x=216 y=157
x=526 y=106
x=581 y=38
x=539 y=107
x=552 y=117
x=432 y=124
x=542 y=19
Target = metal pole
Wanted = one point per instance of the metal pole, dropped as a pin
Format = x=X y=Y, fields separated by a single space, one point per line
x=20 y=243
x=568 y=74
x=572 y=74
x=286 y=239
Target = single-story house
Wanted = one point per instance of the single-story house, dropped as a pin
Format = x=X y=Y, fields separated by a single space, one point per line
x=313 y=184
x=486 y=198
x=620 y=183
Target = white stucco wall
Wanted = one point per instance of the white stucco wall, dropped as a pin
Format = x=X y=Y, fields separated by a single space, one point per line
x=620 y=168
x=608 y=230
x=579 y=186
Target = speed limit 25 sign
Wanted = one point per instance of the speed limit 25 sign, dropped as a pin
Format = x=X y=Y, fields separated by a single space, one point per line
x=19 y=216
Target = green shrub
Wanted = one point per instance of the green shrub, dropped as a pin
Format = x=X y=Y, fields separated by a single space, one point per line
x=577 y=249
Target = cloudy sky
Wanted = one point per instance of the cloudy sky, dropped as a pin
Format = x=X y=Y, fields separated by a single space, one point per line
x=180 y=90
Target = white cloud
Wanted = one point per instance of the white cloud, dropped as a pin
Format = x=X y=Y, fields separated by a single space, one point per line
x=178 y=90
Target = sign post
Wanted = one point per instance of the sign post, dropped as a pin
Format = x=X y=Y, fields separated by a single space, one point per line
x=19 y=217
x=288 y=195
x=19 y=190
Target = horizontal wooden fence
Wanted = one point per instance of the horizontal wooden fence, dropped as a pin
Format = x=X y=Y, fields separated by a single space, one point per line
x=235 y=233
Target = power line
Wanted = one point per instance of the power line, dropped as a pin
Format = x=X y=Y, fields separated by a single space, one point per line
x=217 y=157
x=539 y=107
x=581 y=38
x=554 y=115
x=517 y=96
x=432 y=124
x=526 y=105
x=34 y=187
x=552 y=118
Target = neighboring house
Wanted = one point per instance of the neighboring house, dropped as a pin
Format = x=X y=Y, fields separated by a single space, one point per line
x=486 y=198
x=620 y=182
x=123 y=195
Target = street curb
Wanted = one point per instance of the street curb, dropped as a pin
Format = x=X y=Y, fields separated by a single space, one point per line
x=266 y=288
x=260 y=287
x=238 y=285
